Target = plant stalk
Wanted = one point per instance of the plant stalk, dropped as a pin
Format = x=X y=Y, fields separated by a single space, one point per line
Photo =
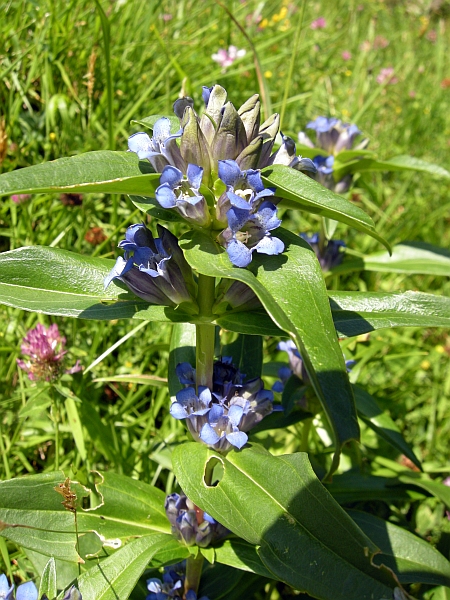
x=193 y=573
x=205 y=332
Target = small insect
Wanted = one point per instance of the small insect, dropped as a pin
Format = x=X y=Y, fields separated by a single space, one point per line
x=67 y=494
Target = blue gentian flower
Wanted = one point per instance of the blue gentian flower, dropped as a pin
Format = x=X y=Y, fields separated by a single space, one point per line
x=190 y=524
x=333 y=136
x=330 y=256
x=296 y=366
x=220 y=417
x=154 y=269
x=172 y=585
x=6 y=592
x=25 y=591
x=161 y=149
x=72 y=594
x=249 y=232
x=181 y=193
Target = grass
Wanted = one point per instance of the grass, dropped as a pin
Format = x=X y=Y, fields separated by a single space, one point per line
x=75 y=73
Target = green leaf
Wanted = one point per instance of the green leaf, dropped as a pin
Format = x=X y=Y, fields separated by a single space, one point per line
x=280 y=505
x=355 y=313
x=291 y=288
x=303 y=192
x=75 y=426
x=116 y=576
x=102 y=171
x=409 y=258
x=182 y=349
x=59 y=282
x=402 y=163
x=412 y=559
x=241 y=555
x=32 y=516
x=247 y=354
x=256 y=322
x=152 y=207
x=382 y=423
x=47 y=585
x=421 y=480
x=129 y=507
x=140 y=378
x=354 y=487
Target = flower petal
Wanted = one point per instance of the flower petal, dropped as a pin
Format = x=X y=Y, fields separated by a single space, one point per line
x=238 y=253
x=194 y=174
x=208 y=435
x=121 y=267
x=141 y=144
x=229 y=172
x=161 y=130
x=269 y=245
x=166 y=196
x=237 y=439
x=171 y=176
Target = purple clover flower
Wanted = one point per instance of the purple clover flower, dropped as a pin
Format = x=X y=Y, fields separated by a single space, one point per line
x=220 y=418
x=190 y=524
x=154 y=269
x=330 y=256
x=182 y=194
x=45 y=348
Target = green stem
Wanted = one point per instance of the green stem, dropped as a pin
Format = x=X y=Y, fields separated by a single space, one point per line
x=55 y=418
x=5 y=457
x=205 y=332
x=193 y=573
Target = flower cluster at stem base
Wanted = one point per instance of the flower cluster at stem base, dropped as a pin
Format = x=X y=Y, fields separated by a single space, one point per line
x=220 y=417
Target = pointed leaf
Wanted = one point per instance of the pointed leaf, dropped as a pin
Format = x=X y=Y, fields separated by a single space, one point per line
x=355 y=313
x=116 y=576
x=48 y=580
x=409 y=258
x=291 y=288
x=59 y=282
x=402 y=163
x=247 y=354
x=241 y=555
x=382 y=423
x=279 y=504
x=303 y=192
x=100 y=171
x=412 y=559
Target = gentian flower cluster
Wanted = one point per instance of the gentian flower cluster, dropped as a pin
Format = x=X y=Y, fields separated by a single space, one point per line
x=330 y=255
x=220 y=417
x=172 y=585
x=44 y=347
x=154 y=269
x=190 y=524
x=333 y=136
x=224 y=146
x=296 y=366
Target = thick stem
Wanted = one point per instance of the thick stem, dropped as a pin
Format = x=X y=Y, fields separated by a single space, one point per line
x=205 y=332
x=193 y=573
x=304 y=444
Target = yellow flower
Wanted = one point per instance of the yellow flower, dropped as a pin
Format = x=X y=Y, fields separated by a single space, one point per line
x=52 y=136
x=263 y=23
x=348 y=73
x=268 y=74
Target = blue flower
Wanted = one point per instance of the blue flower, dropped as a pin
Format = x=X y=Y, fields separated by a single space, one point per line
x=172 y=585
x=182 y=194
x=249 y=232
x=72 y=594
x=330 y=255
x=154 y=269
x=161 y=149
x=190 y=524
x=6 y=592
x=220 y=417
x=25 y=591
x=296 y=366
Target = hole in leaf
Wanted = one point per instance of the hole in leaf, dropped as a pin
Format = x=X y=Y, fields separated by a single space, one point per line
x=214 y=470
